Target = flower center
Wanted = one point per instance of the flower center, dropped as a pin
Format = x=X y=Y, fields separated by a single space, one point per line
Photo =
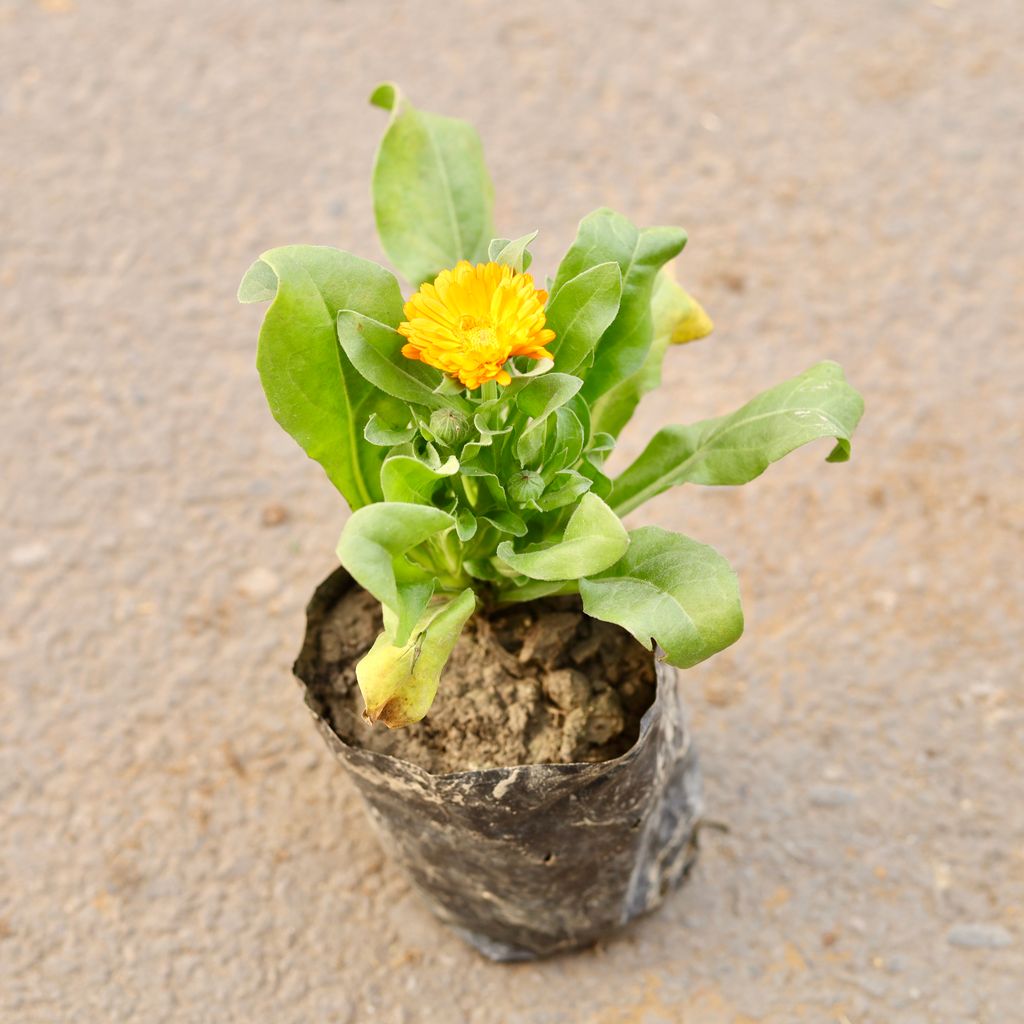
x=477 y=334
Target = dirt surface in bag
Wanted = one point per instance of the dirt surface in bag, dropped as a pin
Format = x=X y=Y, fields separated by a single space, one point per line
x=528 y=684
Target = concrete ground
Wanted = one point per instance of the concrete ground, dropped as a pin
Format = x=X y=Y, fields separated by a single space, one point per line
x=177 y=844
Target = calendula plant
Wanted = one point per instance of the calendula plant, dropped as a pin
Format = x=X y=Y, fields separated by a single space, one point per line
x=468 y=427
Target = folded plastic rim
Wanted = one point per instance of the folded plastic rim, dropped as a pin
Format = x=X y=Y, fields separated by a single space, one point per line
x=530 y=860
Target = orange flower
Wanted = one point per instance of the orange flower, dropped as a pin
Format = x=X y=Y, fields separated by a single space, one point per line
x=473 y=319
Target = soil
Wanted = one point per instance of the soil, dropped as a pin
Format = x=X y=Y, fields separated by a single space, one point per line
x=535 y=683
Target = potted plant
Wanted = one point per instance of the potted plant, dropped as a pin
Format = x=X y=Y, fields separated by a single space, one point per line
x=551 y=793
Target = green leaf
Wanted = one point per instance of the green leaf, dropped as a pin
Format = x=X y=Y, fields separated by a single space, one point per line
x=566 y=487
x=406 y=478
x=581 y=312
x=599 y=483
x=535 y=367
x=485 y=438
x=737 y=448
x=543 y=395
x=601 y=446
x=399 y=681
x=312 y=388
x=519 y=590
x=483 y=569
x=259 y=283
x=373 y=547
x=514 y=254
x=668 y=587
x=375 y=350
x=594 y=539
x=565 y=437
x=677 y=318
x=465 y=524
x=539 y=399
x=605 y=235
x=505 y=521
x=432 y=196
x=380 y=433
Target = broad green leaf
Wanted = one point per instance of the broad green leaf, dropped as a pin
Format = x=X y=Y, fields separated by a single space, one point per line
x=605 y=235
x=600 y=484
x=601 y=446
x=312 y=388
x=539 y=399
x=543 y=395
x=668 y=587
x=736 y=448
x=516 y=591
x=581 y=312
x=483 y=569
x=432 y=196
x=514 y=254
x=380 y=433
x=677 y=318
x=505 y=521
x=465 y=524
x=259 y=283
x=430 y=455
x=485 y=437
x=374 y=349
x=406 y=478
x=564 y=490
x=373 y=547
x=581 y=410
x=594 y=539
x=565 y=437
x=399 y=681
x=487 y=489
x=530 y=445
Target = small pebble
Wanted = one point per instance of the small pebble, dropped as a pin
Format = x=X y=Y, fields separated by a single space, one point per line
x=273 y=515
x=28 y=556
x=979 y=936
x=258 y=583
x=831 y=796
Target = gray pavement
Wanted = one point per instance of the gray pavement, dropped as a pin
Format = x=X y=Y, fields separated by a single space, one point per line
x=177 y=845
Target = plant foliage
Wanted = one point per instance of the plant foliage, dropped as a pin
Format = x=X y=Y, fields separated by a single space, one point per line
x=498 y=494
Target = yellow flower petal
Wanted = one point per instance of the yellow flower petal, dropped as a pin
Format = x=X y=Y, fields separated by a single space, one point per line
x=472 y=319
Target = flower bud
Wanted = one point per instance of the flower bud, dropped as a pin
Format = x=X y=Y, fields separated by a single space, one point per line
x=449 y=426
x=525 y=486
